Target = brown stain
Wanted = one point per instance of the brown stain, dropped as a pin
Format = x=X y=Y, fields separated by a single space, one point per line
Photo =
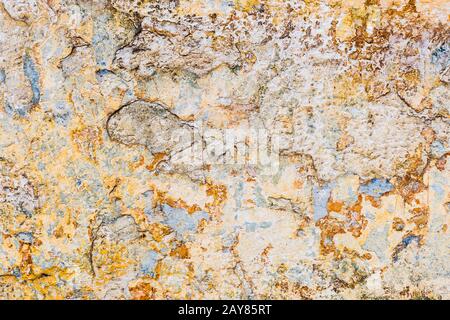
x=26 y=263
x=334 y=206
x=265 y=253
x=420 y=217
x=355 y=222
x=369 y=63
x=226 y=117
x=87 y=139
x=112 y=183
x=329 y=227
x=398 y=224
x=219 y=194
x=442 y=162
x=304 y=223
x=286 y=289
x=345 y=141
x=356 y=255
x=161 y=197
x=136 y=164
x=402 y=245
x=181 y=252
x=411 y=183
x=297 y=184
x=59 y=232
x=142 y=290
x=376 y=203
x=159 y=231
x=157 y=159
x=359 y=221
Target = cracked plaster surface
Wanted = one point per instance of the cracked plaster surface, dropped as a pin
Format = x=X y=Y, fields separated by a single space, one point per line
x=98 y=202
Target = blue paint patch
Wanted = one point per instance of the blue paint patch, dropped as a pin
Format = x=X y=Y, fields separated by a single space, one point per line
x=377 y=242
x=440 y=192
x=260 y=201
x=27 y=212
x=370 y=215
x=148 y=263
x=352 y=196
x=2 y=76
x=250 y=226
x=409 y=239
x=376 y=187
x=321 y=197
x=265 y=224
x=16 y=272
x=229 y=238
x=103 y=72
x=61 y=113
x=441 y=56
x=403 y=245
x=99 y=38
x=32 y=75
x=181 y=221
x=26 y=237
x=43 y=262
x=300 y=274
x=148 y=209
x=8 y=109
x=438 y=149
x=100 y=41
x=239 y=194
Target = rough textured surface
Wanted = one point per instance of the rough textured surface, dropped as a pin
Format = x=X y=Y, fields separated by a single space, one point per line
x=115 y=182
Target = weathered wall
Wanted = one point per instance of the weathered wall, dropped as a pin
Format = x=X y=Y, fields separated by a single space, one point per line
x=98 y=200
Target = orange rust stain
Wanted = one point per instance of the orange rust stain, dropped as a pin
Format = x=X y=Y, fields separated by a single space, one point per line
x=357 y=207
x=26 y=263
x=87 y=139
x=136 y=164
x=297 y=184
x=161 y=197
x=59 y=232
x=420 y=217
x=303 y=224
x=158 y=269
x=219 y=194
x=344 y=141
x=141 y=290
x=429 y=135
x=181 y=252
x=334 y=206
x=157 y=159
x=440 y=163
x=329 y=227
x=358 y=219
x=374 y=202
x=352 y=31
x=111 y=184
x=159 y=231
x=398 y=224
x=355 y=254
x=265 y=253
x=250 y=202
x=412 y=182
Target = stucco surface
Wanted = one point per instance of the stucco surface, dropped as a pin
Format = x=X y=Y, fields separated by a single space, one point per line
x=224 y=149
